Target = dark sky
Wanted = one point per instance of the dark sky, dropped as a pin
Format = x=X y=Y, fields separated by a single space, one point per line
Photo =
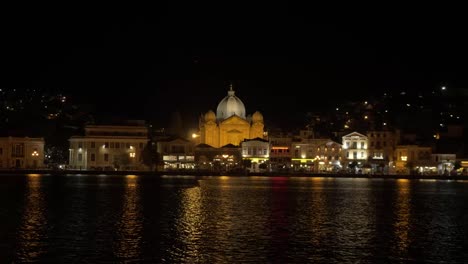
x=282 y=62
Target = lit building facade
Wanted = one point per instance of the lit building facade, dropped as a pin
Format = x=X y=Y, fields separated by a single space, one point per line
x=445 y=163
x=355 y=149
x=226 y=158
x=176 y=153
x=414 y=158
x=21 y=153
x=109 y=148
x=229 y=125
x=257 y=152
x=280 y=153
x=329 y=157
x=316 y=155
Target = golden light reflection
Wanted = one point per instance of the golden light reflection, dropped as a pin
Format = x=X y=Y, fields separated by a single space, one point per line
x=32 y=229
x=130 y=226
x=402 y=215
x=189 y=227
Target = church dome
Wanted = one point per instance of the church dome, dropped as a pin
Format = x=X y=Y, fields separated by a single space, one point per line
x=229 y=106
x=210 y=116
x=257 y=117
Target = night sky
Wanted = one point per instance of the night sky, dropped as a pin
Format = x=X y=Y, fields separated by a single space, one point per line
x=281 y=62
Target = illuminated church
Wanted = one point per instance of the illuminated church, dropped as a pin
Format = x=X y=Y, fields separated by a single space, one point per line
x=230 y=125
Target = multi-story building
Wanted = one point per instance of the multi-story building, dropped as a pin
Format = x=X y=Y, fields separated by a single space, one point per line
x=280 y=152
x=176 y=153
x=355 y=150
x=305 y=154
x=329 y=157
x=21 y=153
x=109 y=147
x=381 y=149
x=257 y=152
x=411 y=158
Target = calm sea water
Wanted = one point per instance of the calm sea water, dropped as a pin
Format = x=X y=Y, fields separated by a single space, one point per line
x=144 y=219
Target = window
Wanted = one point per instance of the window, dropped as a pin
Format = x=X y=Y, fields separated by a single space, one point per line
x=112 y=145
x=117 y=145
x=106 y=144
x=128 y=145
x=362 y=144
x=362 y=154
x=93 y=144
x=354 y=155
x=80 y=144
x=93 y=157
x=17 y=150
x=106 y=157
x=80 y=157
x=347 y=154
x=385 y=143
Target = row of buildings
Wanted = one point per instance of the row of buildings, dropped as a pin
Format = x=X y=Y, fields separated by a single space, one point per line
x=231 y=140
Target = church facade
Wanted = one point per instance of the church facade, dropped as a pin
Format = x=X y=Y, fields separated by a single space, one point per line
x=230 y=125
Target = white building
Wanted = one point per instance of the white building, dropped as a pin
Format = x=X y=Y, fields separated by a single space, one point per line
x=21 y=152
x=257 y=152
x=355 y=149
x=109 y=148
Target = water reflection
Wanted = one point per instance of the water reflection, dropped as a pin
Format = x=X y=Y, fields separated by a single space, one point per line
x=318 y=207
x=354 y=220
x=189 y=226
x=129 y=227
x=31 y=233
x=115 y=219
x=402 y=211
x=279 y=218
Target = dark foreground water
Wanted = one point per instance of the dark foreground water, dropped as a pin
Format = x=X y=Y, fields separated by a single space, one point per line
x=143 y=219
